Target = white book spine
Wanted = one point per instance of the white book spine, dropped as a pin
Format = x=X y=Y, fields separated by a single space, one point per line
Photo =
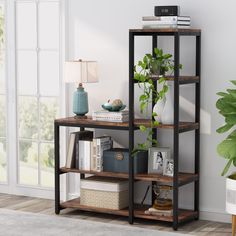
x=81 y=155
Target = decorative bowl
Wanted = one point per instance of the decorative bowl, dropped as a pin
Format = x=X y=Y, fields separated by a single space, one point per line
x=113 y=108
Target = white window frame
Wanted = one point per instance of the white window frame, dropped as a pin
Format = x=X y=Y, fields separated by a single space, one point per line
x=12 y=187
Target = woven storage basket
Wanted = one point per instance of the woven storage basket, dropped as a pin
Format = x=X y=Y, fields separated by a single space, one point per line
x=104 y=193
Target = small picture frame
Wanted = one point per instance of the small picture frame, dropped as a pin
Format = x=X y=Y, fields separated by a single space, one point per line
x=168 y=168
x=157 y=158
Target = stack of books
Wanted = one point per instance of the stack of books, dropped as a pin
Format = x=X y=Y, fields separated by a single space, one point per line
x=166 y=17
x=153 y=22
x=85 y=152
x=121 y=116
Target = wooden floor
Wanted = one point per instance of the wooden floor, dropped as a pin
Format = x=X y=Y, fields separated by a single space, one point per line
x=43 y=206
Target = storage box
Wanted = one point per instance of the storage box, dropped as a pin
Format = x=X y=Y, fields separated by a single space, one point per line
x=117 y=160
x=104 y=192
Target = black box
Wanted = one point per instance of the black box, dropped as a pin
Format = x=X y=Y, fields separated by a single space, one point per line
x=166 y=11
x=117 y=160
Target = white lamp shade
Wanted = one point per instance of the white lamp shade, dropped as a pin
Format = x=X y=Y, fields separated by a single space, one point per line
x=81 y=72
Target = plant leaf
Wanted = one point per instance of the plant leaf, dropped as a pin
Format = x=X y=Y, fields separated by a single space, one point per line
x=233 y=82
x=224 y=128
x=226 y=169
x=227 y=148
x=222 y=94
x=142 y=128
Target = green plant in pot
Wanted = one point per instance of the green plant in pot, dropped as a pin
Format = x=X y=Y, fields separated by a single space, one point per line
x=226 y=105
x=146 y=72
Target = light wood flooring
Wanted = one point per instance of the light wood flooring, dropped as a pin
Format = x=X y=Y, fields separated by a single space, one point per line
x=43 y=206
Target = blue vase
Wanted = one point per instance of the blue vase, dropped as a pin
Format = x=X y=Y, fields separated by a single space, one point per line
x=80 y=101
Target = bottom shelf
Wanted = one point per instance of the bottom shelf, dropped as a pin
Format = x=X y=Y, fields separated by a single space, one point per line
x=184 y=215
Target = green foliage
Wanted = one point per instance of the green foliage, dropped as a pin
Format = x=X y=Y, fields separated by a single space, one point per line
x=146 y=72
x=226 y=105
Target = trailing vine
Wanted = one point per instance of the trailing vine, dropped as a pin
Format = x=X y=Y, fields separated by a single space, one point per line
x=146 y=72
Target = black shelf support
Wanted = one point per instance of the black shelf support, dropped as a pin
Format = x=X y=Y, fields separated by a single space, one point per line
x=197 y=119
x=176 y=132
x=57 y=167
x=131 y=127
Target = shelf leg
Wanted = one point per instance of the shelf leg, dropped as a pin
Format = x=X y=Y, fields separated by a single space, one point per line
x=154 y=135
x=57 y=167
x=176 y=133
x=197 y=120
x=131 y=127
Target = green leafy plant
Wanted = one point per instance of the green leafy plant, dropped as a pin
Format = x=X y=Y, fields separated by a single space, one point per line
x=226 y=105
x=151 y=68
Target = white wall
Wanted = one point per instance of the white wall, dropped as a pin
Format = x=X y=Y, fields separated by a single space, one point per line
x=98 y=30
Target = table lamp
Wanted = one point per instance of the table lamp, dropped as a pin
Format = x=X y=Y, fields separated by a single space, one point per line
x=80 y=72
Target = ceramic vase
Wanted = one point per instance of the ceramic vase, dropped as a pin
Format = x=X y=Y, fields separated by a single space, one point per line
x=231 y=195
x=167 y=116
x=158 y=109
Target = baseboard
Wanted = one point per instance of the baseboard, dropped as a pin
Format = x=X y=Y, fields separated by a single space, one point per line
x=218 y=216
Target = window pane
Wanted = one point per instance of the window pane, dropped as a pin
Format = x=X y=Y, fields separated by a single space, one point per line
x=48 y=112
x=2 y=52
x=49 y=73
x=2 y=116
x=27 y=73
x=28 y=166
x=2 y=30
x=3 y=161
x=2 y=72
x=47 y=164
x=28 y=117
x=48 y=29
x=26 y=25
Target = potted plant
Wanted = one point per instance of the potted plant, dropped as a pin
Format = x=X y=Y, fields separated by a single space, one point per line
x=226 y=105
x=151 y=68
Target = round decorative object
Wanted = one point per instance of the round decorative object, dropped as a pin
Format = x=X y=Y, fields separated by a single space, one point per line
x=167 y=116
x=117 y=103
x=231 y=194
x=115 y=106
x=158 y=109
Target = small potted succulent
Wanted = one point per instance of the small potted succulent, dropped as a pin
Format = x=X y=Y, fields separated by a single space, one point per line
x=226 y=105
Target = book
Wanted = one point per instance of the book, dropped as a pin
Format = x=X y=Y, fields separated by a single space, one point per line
x=165 y=23
x=166 y=18
x=99 y=145
x=84 y=154
x=155 y=212
x=171 y=26
x=72 y=151
x=122 y=116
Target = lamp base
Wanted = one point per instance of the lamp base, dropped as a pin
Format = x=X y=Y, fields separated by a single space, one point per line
x=80 y=117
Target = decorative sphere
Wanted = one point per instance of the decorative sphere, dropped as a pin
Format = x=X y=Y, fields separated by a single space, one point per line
x=117 y=102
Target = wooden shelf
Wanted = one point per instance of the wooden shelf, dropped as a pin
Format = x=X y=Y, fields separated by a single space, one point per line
x=184 y=178
x=89 y=123
x=166 y=31
x=138 y=212
x=182 y=79
x=183 y=126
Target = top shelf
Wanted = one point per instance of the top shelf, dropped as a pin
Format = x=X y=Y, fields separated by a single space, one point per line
x=89 y=123
x=166 y=31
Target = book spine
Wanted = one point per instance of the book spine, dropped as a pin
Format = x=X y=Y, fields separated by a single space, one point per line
x=81 y=155
x=94 y=155
x=100 y=149
x=87 y=155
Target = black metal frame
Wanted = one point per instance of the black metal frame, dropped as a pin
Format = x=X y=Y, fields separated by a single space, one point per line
x=132 y=128
x=177 y=131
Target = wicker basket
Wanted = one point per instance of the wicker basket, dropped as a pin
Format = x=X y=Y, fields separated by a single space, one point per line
x=104 y=193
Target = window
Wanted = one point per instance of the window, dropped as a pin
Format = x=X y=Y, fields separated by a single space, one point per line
x=38 y=80
x=3 y=111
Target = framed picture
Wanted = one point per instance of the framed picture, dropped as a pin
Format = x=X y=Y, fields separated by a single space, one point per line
x=168 y=167
x=157 y=158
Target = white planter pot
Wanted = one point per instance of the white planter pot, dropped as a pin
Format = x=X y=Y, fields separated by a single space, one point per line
x=231 y=196
x=167 y=116
x=158 y=109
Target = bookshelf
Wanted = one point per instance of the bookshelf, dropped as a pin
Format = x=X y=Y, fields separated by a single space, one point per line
x=132 y=127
